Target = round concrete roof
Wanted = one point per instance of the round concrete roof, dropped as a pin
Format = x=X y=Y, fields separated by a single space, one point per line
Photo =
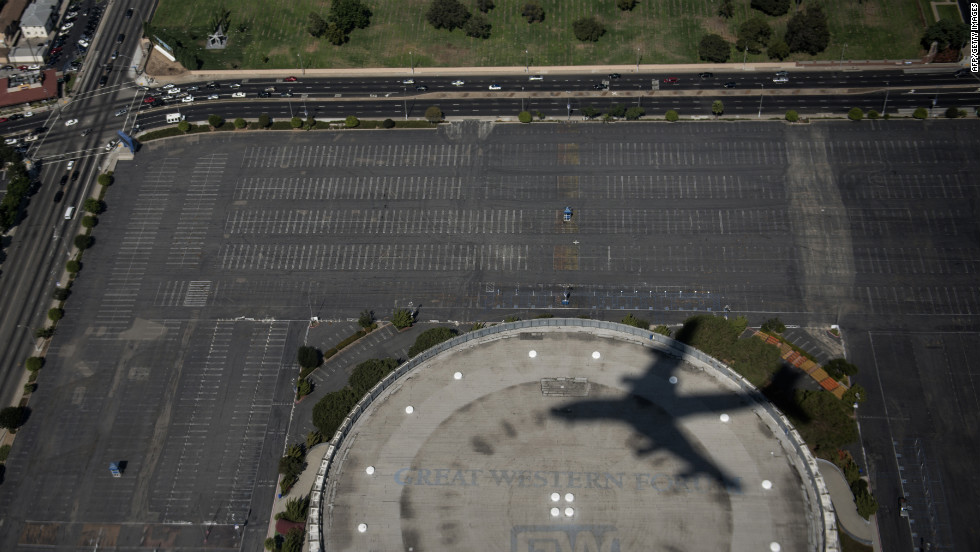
x=637 y=462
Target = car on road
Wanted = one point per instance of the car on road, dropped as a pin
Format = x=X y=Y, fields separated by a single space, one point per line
x=780 y=80
x=670 y=80
x=290 y=79
x=782 y=73
x=187 y=99
x=16 y=116
x=129 y=13
x=3 y=119
x=71 y=165
x=408 y=81
x=212 y=85
x=31 y=138
x=120 y=38
x=213 y=97
x=121 y=111
x=238 y=95
x=168 y=86
x=731 y=84
x=192 y=88
x=71 y=122
x=235 y=85
x=421 y=88
x=103 y=80
x=86 y=132
x=458 y=83
x=148 y=99
x=173 y=90
x=58 y=195
x=28 y=114
x=22 y=68
x=599 y=86
x=11 y=141
x=265 y=94
x=286 y=94
x=76 y=174
x=112 y=143
x=614 y=75
x=706 y=75
x=495 y=87
x=535 y=78
x=64 y=180
x=115 y=54
x=962 y=73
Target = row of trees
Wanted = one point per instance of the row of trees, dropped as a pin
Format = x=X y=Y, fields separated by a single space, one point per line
x=20 y=185
x=452 y=14
x=806 y=32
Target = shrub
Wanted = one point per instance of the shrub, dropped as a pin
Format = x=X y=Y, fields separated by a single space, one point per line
x=856 y=394
x=717 y=107
x=12 y=417
x=30 y=388
x=240 y=123
x=430 y=338
x=672 y=115
x=184 y=126
x=83 y=242
x=824 y=421
x=33 y=364
x=351 y=121
x=44 y=333
x=309 y=357
x=618 y=110
x=388 y=123
x=105 y=179
x=366 y=319
x=855 y=114
x=73 y=267
x=626 y=5
x=55 y=314
x=484 y=5
x=838 y=368
x=89 y=221
x=215 y=121
x=93 y=205
x=771 y=7
x=631 y=320
x=525 y=117
x=512 y=318
x=590 y=112
x=368 y=373
x=4 y=453
x=478 y=26
x=778 y=49
x=873 y=114
x=663 y=330
x=588 y=29
x=433 y=114
x=330 y=411
x=635 y=112
x=792 y=116
x=264 y=120
x=447 y=14
x=402 y=318
x=296 y=122
x=296 y=509
x=303 y=388
x=952 y=113
x=310 y=123
x=313 y=438
x=773 y=325
x=920 y=113
x=61 y=293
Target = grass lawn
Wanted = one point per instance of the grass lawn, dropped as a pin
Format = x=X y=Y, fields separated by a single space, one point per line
x=266 y=34
x=950 y=12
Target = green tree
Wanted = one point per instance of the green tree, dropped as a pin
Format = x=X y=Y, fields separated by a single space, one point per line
x=533 y=13
x=807 y=31
x=294 y=540
x=872 y=114
x=336 y=35
x=590 y=112
x=313 y=438
x=90 y=221
x=920 y=113
x=388 y=123
x=368 y=373
x=771 y=7
x=855 y=394
x=44 y=333
x=309 y=357
x=296 y=509
x=447 y=14
x=663 y=330
x=303 y=387
x=433 y=114
x=55 y=314
x=105 y=179
x=296 y=122
x=672 y=115
x=855 y=114
x=430 y=338
x=714 y=48
x=717 y=108
x=240 y=123
x=635 y=112
x=61 y=293
x=317 y=25
x=351 y=121
x=778 y=50
x=631 y=320
x=183 y=126
x=330 y=411
x=753 y=34
x=626 y=5
x=588 y=29
x=946 y=34
x=13 y=417
x=726 y=9
x=402 y=318
x=773 y=325
x=264 y=120
x=866 y=504
x=366 y=319
x=525 y=117
x=83 y=242
x=73 y=267
x=93 y=205
x=484 y=6
x=825 y=421
x=4 y=453
x=617 y=110
x=274 y=544
x=215 y=121
x=349 y=15
x=838 y=368
x=792 y=116
x=33 y=364
x=952 y=113
x=478 y=26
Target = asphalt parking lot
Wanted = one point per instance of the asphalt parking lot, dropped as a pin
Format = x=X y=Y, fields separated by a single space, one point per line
x=176 y=351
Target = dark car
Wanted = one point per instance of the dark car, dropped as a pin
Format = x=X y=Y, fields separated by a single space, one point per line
x=74 y=176
x=58 y=196
x=706 y=75
x=962 y=73
x=286 y=94
x=129 y=13
x=103 y=80
x=265 y=94
x=120 y=38
x=614 y=75
x=213 y=85
x=731 y=84
x=64 y=180
x=40 y=129
x=15 y=116
x=599 y=86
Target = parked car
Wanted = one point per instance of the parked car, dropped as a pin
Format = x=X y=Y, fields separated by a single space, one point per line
x=71 y=165
x=148 y=99
x=120 y=38
x=265 y=94
x=129 y=13
x=187 y=99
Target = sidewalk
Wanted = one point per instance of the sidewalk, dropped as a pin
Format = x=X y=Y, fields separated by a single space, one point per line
x=302 y=487
x=840 y=494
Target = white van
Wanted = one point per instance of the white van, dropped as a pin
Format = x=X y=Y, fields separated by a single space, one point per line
x=174 y=117
x=69 y=213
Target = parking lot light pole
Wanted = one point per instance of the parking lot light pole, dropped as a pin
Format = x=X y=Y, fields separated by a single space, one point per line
x=527 y=62
x=884 y=106
x=842 y=56
x=303 y=69
x=411 y=61
x=637 y=60
x=761 y=95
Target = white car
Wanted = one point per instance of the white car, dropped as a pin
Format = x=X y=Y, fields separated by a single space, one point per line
x=535 y=78
x=28 y=114
x=83 y=43
x=11 y=141
x=67 y=26
x=187 y=99
x=122 y=111
x=168 y=86
x=408 y=81
x=495 y=87
x=213 y=97
x=33 y=67
x=458 y=83
x=31 y=138
x=71 y=165
x=235 y=85
x=173 y=90
x=71 y=122
x=238 y=95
